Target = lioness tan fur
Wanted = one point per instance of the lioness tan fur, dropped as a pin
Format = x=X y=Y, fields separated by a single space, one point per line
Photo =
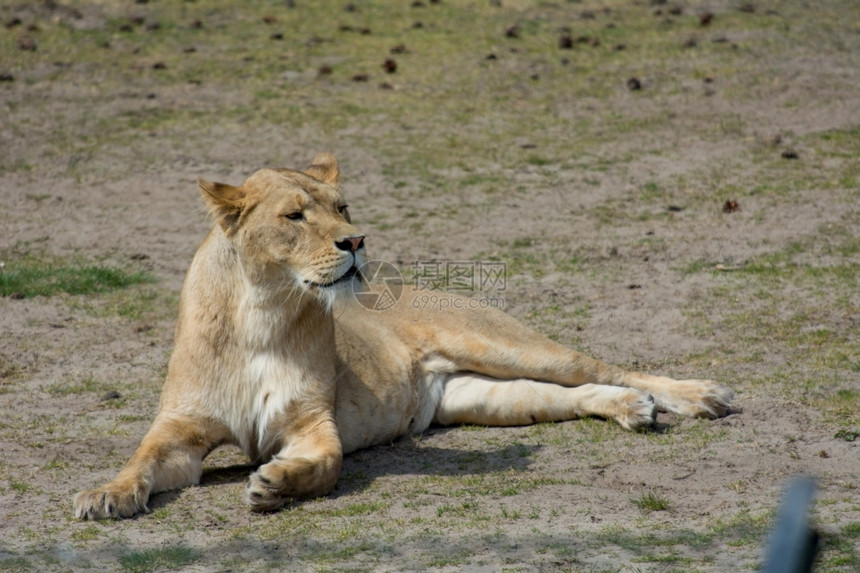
x=261 y=361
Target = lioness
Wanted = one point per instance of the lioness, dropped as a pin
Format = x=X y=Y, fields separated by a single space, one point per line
x=262 y=361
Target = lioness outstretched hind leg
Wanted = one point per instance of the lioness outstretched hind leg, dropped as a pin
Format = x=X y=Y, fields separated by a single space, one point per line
x=169 y=457
x=475 y=399
x=491 y=343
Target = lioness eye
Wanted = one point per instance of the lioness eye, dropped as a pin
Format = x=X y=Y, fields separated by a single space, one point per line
x=295 y=216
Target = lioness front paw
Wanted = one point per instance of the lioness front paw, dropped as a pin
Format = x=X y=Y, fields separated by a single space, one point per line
x=111 y=501
x=637 y=410
x=264 y=493
x=282 y=480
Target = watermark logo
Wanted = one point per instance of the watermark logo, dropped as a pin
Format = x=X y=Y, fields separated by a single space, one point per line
x=381 y=284
x=381 y=288
x=472 y=276
x=440 y=301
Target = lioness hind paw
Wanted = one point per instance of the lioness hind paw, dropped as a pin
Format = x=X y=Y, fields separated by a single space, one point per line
x=638 y=411
x=695 y=398
x=715 y=405
x=713 y=401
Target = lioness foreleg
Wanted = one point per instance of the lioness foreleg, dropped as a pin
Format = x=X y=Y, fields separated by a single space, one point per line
x=169 y=457
x=307 y=465
x=472 y=399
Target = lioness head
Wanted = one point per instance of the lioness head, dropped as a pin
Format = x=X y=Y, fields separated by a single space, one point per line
x=291 y=229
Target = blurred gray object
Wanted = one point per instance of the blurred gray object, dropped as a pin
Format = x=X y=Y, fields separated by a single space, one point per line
x=793 y=543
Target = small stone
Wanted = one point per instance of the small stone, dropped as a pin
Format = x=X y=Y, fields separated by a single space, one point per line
x=731 y=206
x=27 y=44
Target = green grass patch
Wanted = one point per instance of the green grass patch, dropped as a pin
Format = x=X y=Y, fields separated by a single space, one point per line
x=651 y=501
x=20 y=486
x=87 y=385
x=354 y=509
x=27 y=278
x=87 y=533
x=155 y=559
x=504 y=483
x=840 y=552
x=17 y=564
x=847 y=435
x=687 y=546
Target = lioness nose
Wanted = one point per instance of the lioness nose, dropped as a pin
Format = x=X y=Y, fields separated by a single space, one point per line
x=352 y=243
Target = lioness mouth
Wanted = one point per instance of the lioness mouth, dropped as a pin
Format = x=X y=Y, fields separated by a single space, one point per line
x=343 y=278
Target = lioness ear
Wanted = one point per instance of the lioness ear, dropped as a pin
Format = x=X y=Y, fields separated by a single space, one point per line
x=324 y=168
x=225 y=203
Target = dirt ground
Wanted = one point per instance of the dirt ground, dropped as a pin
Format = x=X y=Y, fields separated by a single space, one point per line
x=611 y=208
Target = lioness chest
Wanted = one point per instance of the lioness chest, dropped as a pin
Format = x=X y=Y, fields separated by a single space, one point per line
x=256 y=382
x=252 y=399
